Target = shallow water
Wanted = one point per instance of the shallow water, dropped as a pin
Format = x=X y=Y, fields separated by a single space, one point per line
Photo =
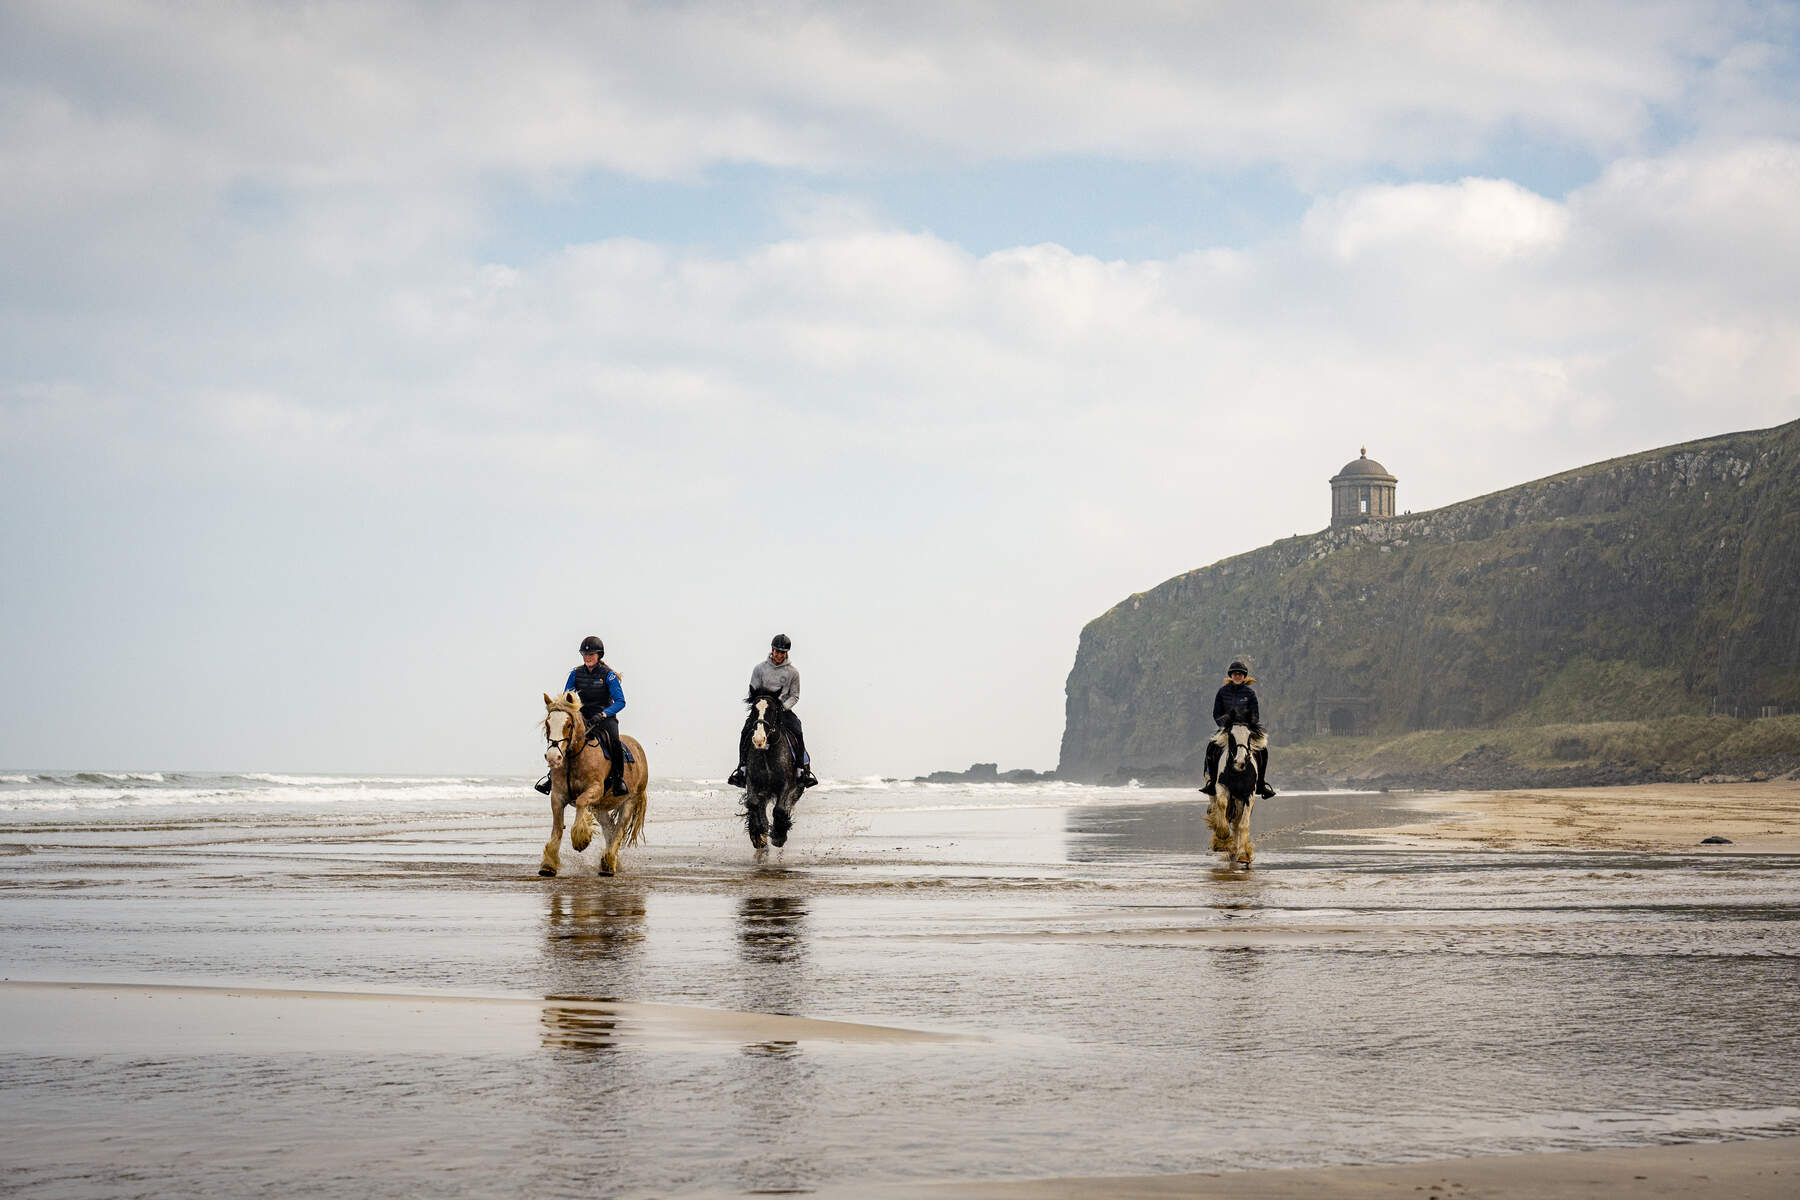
x=1128 y=1005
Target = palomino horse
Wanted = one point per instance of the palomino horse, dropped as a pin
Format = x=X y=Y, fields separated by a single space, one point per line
x=770 y=772
x=1234 y=792
x=578 y=777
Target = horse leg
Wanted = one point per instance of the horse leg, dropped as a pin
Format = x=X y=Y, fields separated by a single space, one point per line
x=611 y=828
x=784 y=820
x=1215 y=819
x=553 y=847
x=582 y=832
x=1241 y=842
x=756 y=820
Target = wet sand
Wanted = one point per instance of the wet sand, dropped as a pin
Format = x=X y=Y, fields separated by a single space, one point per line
x=931 y=992
x=1764 y=1170
x=143 y=1019
x=1757 y=818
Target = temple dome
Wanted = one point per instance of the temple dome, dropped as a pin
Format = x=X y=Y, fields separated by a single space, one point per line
x=1364 y=468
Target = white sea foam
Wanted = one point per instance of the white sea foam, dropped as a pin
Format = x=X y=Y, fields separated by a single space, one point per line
x=15 y=779
x=491 y=795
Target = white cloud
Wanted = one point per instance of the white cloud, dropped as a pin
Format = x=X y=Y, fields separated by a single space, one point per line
x=243 y=277
x=334 y=95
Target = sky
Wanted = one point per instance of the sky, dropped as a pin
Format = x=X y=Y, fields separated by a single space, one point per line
x=358 y=359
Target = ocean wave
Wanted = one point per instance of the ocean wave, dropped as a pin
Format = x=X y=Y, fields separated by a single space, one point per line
x=362 y=780
x=15 y=779
x=447 y=794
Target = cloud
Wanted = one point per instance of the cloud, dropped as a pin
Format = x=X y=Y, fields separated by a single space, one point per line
x=335 y=95
x=260 y=371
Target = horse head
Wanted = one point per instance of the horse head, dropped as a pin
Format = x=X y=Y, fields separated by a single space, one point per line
x=562 y=722
x=1240 y=746
x=765 y=711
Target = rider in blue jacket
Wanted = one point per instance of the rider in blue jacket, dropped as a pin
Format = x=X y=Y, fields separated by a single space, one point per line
x=1236 y=704
x=602 y=698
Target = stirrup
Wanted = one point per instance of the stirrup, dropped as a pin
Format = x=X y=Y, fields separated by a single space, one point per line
x=736 y=778
x=807 y=779
x=1264 y=790
x=542 y=785
x=616 y=787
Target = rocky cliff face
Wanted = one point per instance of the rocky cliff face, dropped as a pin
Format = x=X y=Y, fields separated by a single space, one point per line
x=1663 y=583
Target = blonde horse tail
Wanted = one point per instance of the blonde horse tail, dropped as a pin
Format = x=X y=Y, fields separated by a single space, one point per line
x=640 y=800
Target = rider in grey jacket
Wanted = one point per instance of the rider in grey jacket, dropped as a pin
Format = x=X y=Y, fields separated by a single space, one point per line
x=776 y=674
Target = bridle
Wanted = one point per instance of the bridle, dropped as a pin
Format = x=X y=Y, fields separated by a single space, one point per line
x=763 y=724
x=567 y=744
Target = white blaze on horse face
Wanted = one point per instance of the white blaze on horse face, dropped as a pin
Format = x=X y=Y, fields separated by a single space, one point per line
x=1240 y=742
x=760 y=739
x=555 y=723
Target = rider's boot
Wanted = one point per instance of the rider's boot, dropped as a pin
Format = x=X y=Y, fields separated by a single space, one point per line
x=807 y=779
x=736 y=778
x=1211 y=775
x=543 y=785
x=1262 y=775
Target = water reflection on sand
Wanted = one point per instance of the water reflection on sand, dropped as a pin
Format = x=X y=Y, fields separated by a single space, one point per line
x=1013 y=984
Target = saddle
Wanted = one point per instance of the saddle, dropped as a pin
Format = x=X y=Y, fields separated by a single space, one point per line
x=593 y=739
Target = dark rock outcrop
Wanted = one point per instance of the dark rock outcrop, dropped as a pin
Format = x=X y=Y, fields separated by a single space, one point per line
x=1659 y=584
x=986 y=773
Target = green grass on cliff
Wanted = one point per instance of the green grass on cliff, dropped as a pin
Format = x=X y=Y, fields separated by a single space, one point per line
x=1588 y=691
x=1677 y=743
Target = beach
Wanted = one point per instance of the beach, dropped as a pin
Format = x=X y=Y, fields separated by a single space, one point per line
x=235 y=985
x=1752 y=817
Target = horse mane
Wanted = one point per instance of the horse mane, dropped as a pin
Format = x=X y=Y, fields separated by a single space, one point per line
x=757 y=693
x=562 y=707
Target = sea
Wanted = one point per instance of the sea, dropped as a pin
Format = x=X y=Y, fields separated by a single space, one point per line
x=271 y=984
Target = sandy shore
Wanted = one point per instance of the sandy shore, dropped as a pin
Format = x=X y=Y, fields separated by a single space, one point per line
x=1761 y=1170
x=1758 y=818
x=142 y=1018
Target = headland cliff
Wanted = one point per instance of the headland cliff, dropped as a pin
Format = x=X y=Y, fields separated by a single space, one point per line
x=1622 y=621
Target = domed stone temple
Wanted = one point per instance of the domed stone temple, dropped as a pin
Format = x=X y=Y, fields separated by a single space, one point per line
x=1362 y=491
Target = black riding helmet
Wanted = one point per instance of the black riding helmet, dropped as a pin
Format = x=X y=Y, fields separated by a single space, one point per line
x=1237 y=664
x=593 y=645
x=780 y=642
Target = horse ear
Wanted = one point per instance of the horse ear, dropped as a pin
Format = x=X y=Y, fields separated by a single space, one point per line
x=547 y=700
x=571 y=698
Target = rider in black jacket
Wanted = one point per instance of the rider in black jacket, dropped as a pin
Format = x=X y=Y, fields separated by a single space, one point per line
x=1236 y=705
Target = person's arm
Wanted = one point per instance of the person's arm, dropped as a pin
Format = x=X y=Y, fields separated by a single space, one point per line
x=1219 y=709
x=1255 y=711
x=569 y=683
x=618 y=696
x=790 y=695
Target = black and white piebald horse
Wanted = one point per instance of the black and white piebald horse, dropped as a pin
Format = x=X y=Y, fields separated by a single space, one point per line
x=1234 y=791
x=771 y=772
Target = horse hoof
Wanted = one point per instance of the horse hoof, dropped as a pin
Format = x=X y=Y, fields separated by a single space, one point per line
x=546 y=873
x=761 y=843
x=605 y=874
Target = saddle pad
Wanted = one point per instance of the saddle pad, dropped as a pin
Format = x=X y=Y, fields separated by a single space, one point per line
x=629 y=756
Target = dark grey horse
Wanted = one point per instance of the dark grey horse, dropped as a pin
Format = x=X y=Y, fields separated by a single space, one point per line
x=772 y=776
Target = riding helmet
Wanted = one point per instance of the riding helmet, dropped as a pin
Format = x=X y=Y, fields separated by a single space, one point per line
x=780 y=642
x=593 y=645
x=1237 y=664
